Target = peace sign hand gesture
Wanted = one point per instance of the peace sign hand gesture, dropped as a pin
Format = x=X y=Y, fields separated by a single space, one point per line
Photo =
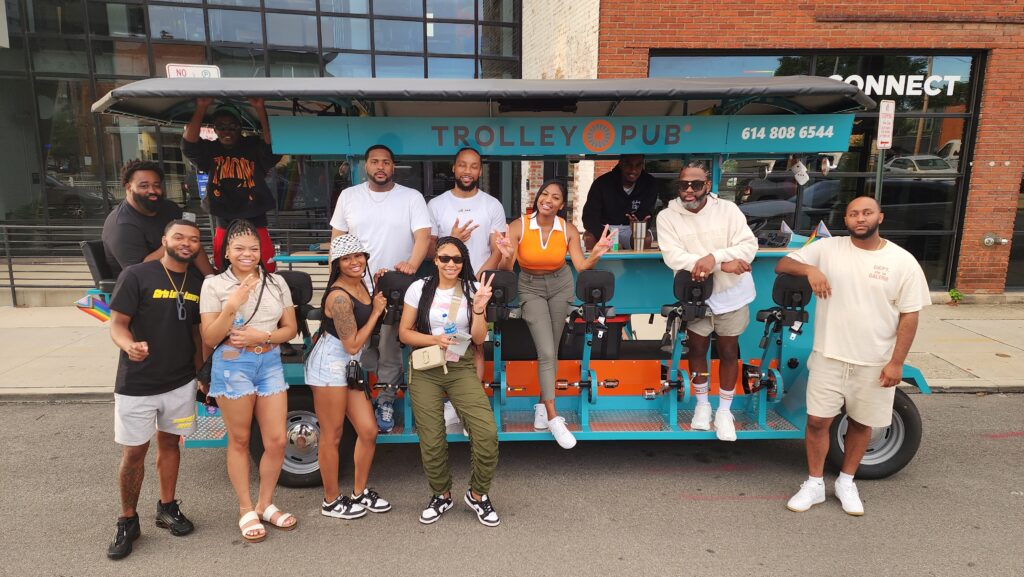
x=604 y=244
x=504 y=245
x=483 y=294
x=241 y=294
x=465 y=231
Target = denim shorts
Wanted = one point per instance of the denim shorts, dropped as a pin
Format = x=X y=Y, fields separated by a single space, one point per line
x=327 y=363
x=247 y=374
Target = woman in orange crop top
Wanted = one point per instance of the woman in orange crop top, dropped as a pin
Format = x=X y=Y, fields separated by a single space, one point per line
x=540 y=241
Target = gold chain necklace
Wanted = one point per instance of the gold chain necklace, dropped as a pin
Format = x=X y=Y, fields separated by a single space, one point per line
x=179 y=293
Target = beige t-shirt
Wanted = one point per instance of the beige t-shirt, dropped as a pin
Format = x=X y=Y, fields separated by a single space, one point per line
x=276 y=296
x=870 y=288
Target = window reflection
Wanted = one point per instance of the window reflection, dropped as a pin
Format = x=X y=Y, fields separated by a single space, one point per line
x=460 y=9
x=347 y=65
x=398 y=36
x=346 y=6
x=121 y=58
x=497 y=41
x=121 y=20
x=450 y=38
x=236 y=26
x=497 y=10
x=237 y=61
x=291 y=30
x=412 y=8
x=58 y=55
x=450 y=67
x=345 y=33
x=177 y=23
x=399 y=67
x=19 y=157
x=56 y=16
x=289 y=64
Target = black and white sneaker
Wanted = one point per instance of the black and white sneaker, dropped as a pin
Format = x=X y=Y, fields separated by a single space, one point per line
x=484 y=510
x=342 y=508
x=437 y=507
x=371 y=501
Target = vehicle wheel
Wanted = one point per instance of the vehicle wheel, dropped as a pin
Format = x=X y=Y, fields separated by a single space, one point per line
x=890 y=449
x=302 y=438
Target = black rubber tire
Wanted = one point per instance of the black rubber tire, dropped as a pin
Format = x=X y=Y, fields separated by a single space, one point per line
x=894 y=450
x=300 y=406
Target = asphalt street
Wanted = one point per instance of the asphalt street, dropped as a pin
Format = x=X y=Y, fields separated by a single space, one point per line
x=614 y=508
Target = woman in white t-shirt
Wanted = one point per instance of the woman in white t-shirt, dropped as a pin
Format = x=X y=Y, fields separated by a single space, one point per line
x=428 y=304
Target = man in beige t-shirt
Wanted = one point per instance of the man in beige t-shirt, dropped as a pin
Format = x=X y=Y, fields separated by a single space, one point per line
x=869 y=293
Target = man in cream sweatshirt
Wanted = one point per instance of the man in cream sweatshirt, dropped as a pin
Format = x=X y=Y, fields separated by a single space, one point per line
x=706 y=235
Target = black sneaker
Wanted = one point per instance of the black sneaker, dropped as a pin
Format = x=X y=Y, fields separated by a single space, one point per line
x=127 y=532
x=484 y=510
x=169 y=516
x=342 y=508
x=437 y=506
x=372 y=501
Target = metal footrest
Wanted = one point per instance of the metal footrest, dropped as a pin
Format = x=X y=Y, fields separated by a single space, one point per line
x=628 y=421
x=743 y=421
x=210 y=431
x=522 y=421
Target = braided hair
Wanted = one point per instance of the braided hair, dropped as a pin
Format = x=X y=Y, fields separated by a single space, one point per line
x=430 y=283
x=243 y=227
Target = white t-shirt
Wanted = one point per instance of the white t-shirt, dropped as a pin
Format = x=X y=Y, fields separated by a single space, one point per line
x=439 y=310
x=384 y=221
x=870 y=288
x=483 y=209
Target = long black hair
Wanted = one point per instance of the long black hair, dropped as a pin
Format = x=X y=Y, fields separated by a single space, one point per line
x=565 y=195
x=335 y=274
x=466 y=277
x=242 y=227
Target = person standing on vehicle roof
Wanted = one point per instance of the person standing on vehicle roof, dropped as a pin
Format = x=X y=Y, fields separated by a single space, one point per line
x=618 y=198
x=237 y=166
x=393 y=224
x=474 y=217
x=870 y=292
x=709 y=237
x=154 y=320
x=133 y=232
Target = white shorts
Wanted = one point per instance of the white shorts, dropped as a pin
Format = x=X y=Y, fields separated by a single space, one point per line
x=137 y=418
x=832 y=383
x=327 y=363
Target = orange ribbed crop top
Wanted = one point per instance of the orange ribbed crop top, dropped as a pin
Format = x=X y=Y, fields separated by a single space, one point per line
x=534 y=253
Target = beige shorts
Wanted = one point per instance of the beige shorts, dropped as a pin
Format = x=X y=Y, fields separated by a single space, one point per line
x=137 y=418
x=832 y=383
x=724 y=325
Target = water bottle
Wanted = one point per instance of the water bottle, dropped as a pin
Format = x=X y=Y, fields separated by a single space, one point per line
x=239 y=321
x=450 y=330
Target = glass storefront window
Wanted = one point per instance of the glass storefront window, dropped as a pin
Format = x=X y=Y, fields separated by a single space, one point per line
x=119 y=20
x=238 y=62
x=398 y=36
x=916 y=83
x=499 y=69
x=57 y=16
x=236 y=26
x=342 y=64
x=177 y=23
x=345 y=33
x=123 y=140
x=399 y=67
x=410 y=8
x=19 y=153
x=59 y=55
x=345 y=6
x=455 y=9
x=291 y=30
x=497 y=41
x=754 y=66
x=241 y=3
x=164 y=54
x=293 y=64
x=307 y=5
x=497 y=10
x=13 y=59
x=450 y=67
x=450 y=38
x=120 y=58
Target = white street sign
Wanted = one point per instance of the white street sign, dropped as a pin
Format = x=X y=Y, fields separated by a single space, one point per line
x=192 y=71
x=886 y=115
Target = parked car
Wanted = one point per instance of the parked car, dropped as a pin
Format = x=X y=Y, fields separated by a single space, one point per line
x=919 y=165
x=75 y=202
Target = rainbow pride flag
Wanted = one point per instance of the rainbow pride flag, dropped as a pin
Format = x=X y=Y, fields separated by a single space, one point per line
x=94 y=306
x=820 y=231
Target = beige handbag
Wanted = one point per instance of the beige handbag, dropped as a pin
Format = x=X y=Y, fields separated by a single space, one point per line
x=432 y=357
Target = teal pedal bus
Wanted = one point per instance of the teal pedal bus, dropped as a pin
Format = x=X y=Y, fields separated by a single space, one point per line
x=609 y=388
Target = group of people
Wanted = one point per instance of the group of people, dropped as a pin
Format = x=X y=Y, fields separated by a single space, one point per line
x=174 y=317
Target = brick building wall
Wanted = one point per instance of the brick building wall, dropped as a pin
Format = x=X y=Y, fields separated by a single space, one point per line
x=996 y=27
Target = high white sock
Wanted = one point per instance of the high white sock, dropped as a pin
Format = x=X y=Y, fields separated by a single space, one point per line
x=701 y=390
x=725 y=400
x=845 y=479
x=816 y=480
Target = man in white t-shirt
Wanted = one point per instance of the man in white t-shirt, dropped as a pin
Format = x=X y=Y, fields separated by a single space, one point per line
x=393 y=224
x=469 y=214
x=869 y=294
x=709 y=236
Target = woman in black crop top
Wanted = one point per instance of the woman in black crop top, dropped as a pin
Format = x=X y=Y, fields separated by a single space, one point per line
x=349 y=316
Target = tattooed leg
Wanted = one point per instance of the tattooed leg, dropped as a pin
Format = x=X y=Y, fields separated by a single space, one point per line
x=130 y=474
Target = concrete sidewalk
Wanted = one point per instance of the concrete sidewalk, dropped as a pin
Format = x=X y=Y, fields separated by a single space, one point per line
x=60 y=352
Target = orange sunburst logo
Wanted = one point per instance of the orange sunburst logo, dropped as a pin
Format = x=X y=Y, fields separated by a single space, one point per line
x=598 y=135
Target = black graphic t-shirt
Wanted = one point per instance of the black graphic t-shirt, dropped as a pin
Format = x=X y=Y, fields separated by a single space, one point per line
x=144 y=293
x=238 y=176
x=129 y=236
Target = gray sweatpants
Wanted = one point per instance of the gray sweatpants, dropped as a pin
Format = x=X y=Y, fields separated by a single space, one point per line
x=546 y=300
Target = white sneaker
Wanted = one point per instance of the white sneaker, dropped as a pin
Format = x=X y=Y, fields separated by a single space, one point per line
x=850 y=498
x=450 y=416
x=701 y=417
x=725 y=428
x=810 y=494
x=565 y=439
x=540 y=417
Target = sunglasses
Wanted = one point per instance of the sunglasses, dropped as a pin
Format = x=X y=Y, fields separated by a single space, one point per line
x=227 y=127
x=696 y=185
x=445 y=259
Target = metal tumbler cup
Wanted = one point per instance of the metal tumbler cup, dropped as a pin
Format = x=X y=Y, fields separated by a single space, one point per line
x=638 y=232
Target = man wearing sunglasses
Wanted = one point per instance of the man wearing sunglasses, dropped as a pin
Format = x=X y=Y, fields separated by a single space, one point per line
x=237 y=167
x=154 y=320
x=709 y=237
x=618 y=198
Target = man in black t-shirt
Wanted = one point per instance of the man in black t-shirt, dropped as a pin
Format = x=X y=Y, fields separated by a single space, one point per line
x=618 y=198
x=132 y=231
x=237 y=166
x=155 y=322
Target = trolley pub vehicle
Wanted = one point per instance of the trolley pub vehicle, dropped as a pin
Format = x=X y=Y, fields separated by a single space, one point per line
x=609 y=388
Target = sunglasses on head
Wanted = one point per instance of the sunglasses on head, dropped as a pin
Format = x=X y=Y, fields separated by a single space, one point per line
x=696 y=185
x=445 y=259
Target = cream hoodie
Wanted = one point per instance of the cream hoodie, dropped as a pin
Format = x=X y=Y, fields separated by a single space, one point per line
x=719 y=229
